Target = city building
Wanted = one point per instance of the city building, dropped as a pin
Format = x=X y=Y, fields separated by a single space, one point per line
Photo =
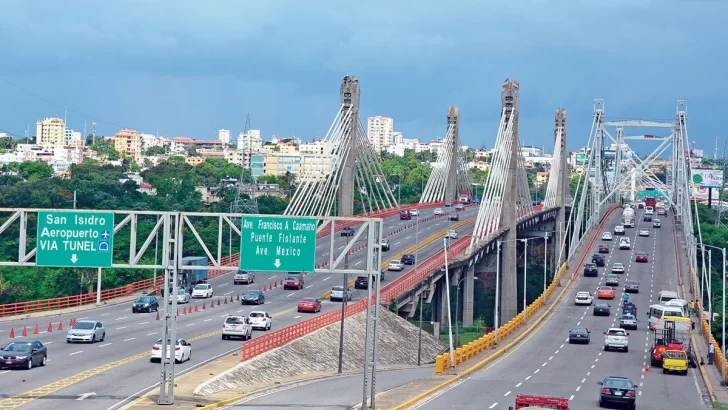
x=194 y=161
x=380 y=132
x=397 y=138
x=50 y=132
x=250 y=141
x=223 y=136
x=279 y=164
x=128 y=143
x=531 y=151
x=151 y=140
x=72 y=135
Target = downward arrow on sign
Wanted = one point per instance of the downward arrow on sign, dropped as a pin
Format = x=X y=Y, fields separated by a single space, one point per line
x=277 y=263
x=74 y=258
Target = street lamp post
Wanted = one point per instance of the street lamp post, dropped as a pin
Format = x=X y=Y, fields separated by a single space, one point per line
x=457 y=310
x=497 y=289
x=449 y=315
x=417 y=241
x=723 y=252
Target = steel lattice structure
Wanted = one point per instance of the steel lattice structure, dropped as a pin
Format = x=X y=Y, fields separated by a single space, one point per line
x=345 y=143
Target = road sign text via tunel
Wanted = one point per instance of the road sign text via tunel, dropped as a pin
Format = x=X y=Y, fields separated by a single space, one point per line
x=75 y=239
x=278 y=244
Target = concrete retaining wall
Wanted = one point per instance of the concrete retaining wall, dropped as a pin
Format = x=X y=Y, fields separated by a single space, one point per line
x=318 y=353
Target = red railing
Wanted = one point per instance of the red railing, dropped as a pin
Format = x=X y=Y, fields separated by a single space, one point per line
x=21 y=308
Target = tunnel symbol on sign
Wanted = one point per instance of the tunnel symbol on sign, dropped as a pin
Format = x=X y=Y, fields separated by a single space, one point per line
x=103 y=246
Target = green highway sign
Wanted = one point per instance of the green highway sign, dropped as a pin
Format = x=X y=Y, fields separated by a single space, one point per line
x=68 y=239
x=278 y=244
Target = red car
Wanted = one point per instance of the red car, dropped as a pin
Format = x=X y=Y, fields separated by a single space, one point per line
x=603 y=249
x=641 y=257
x=312 y=305
x=293 y=282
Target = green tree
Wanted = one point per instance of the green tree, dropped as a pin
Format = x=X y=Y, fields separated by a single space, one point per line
x=105 y=149
x=32 y=171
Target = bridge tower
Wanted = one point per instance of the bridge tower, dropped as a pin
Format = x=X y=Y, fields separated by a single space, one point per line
x=345 y=177
x=449 y=174
x=557 y=190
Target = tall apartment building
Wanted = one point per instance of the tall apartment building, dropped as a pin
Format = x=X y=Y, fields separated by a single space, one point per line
x=50 y=132
x=223 y=136
x=128 y=143
x=380 y=132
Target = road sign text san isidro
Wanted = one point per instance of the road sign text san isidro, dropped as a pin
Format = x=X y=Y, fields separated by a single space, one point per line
x=269 y=244
x=75 y=239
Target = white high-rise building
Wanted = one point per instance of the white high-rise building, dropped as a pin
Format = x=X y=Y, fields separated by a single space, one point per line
x=223 y=136
x=250 y=141
x=397 y=138
x=380 y=132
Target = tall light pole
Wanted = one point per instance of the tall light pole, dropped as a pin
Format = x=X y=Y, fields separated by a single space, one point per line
x=545 y=247
x=525 y=270
x=497 y=289
x=449 y=315
x=344 y=296
x=723 y=252
x=417 y=242
x=457 y=310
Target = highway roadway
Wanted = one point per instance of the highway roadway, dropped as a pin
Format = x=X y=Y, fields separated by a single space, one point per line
x=546 y=364
x=118 y=368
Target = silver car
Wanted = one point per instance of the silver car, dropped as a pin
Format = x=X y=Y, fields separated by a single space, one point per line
x=612 y=280
x=337 y=293
x=182 y=296
x=244 y=277
x=89 y=331
x=617 y=267
x=628 y=321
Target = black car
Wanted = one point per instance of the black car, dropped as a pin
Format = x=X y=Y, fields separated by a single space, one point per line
x=601 y=309
x=598 y=260
x=590 y=269
x=647 y=218
x=252 y=297
x=347 y=231
x=408 y=258
x=618 y=391
x=629 y=309
x=145 y=304
x=362 y=282
x=579 y=335
x=640 y=206
x=23 y=354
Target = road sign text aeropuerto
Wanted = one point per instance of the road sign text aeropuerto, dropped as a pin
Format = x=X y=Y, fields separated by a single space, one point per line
x=278 y=244
x=75 y=239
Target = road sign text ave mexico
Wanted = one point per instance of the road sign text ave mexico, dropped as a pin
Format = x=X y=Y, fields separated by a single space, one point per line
x=278 y=244
x=75 y=239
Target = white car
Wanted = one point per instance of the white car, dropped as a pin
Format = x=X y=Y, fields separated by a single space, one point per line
x=583 y=298
x=644 y=232
x=438 y=211
x=395 y=264
x=619 y=230
x=617 y=267
x=338 y=293
x=649 y=211
x=182 y=351
x=414 y=212
x=607 y=236
x=237 y=326
x=661 y=211
x=182 y=296
x=656 y=223
x=616 y=338
x=452 y=234
x=203 y=290
x=260 y=320
x=624 y=244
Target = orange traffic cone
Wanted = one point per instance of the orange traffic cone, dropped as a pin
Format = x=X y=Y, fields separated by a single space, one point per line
x=218 y=302
x=232 y=299
x=36 y=331
x=212 y=303
x=25 y=332
x=12 y=333
x=203 y=305
x=73 y=322
x=157 y=315
x=196 y=309
x=238 y=298
x=60 y=325
x=225 y=300
x=50 y=327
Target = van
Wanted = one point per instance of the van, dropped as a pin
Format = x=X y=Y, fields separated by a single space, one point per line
x=658 y=312
x=682 y=304
x=666 y=296
x=624 y=243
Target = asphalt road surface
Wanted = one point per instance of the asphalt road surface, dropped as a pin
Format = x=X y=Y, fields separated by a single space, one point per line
x=546 y=364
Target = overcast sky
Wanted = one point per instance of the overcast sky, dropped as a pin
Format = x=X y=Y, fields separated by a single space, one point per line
x=188 y=68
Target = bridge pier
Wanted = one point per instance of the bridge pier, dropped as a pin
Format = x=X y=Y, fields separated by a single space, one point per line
x=468 y=295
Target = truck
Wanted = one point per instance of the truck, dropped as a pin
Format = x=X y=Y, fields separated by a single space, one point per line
x=651 y=202
x=533 y=402
x=464 y=198
x=187 y=276
x=670 y=338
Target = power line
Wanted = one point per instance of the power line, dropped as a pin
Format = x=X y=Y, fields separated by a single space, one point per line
x=56 y=104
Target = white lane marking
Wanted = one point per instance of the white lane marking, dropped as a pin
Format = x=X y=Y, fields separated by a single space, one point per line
x=571 y=398
x=358 y=262
x=120 y=318
x=229 y=293
x=493 y=405
x=104 y=314
x=583 y=380
x=519 y=384
x=239 y=311
x=83 y=318
x=71 y=354
x=207 y=320
x=48 y=343
x=191 y=324
x=296 y=317
x=407 y=237
x=119 y=328
x=129 y=339
x=537 y=370
x=578 y=388
x=528 y=377
x=291 y=294
x=151 y=334
x=309 y=286
x=143 y=323
x=6 y=371
x=272 y=277
x=397 y=243
x=105 y=344
x=507 y=393
x=327 y=278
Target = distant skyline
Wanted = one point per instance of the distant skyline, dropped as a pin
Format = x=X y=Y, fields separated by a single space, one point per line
x=193 y=68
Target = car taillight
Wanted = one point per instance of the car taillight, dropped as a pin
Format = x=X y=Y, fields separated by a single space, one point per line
x=155 y=348
x=630 y=394
x=176 y=348
x=606 y=391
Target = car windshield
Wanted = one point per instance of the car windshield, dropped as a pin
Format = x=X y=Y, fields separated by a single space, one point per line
x=181 y=292
x=241 y=272
x=628 y=317
x=618 y=265
x=674 y=354
x=578 y=330
x=589 y=265
x=235 y=321
x=632 y=282
x=362 y=278
x=616 y=332
x=257 y=314
x=583 y=294
x=601 y=305
x=84 y=325
x=144 y=300
x=612 y=276
x=308 y=300
x=394 y=262
x=18 y=347
x=605 y=288
x=618 y=384
x=201 y=287
x=294 y=278
x=337 y=289
x=251 y=293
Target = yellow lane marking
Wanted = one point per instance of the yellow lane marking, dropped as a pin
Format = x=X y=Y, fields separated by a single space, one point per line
x=42 y=391
x=411 y=249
